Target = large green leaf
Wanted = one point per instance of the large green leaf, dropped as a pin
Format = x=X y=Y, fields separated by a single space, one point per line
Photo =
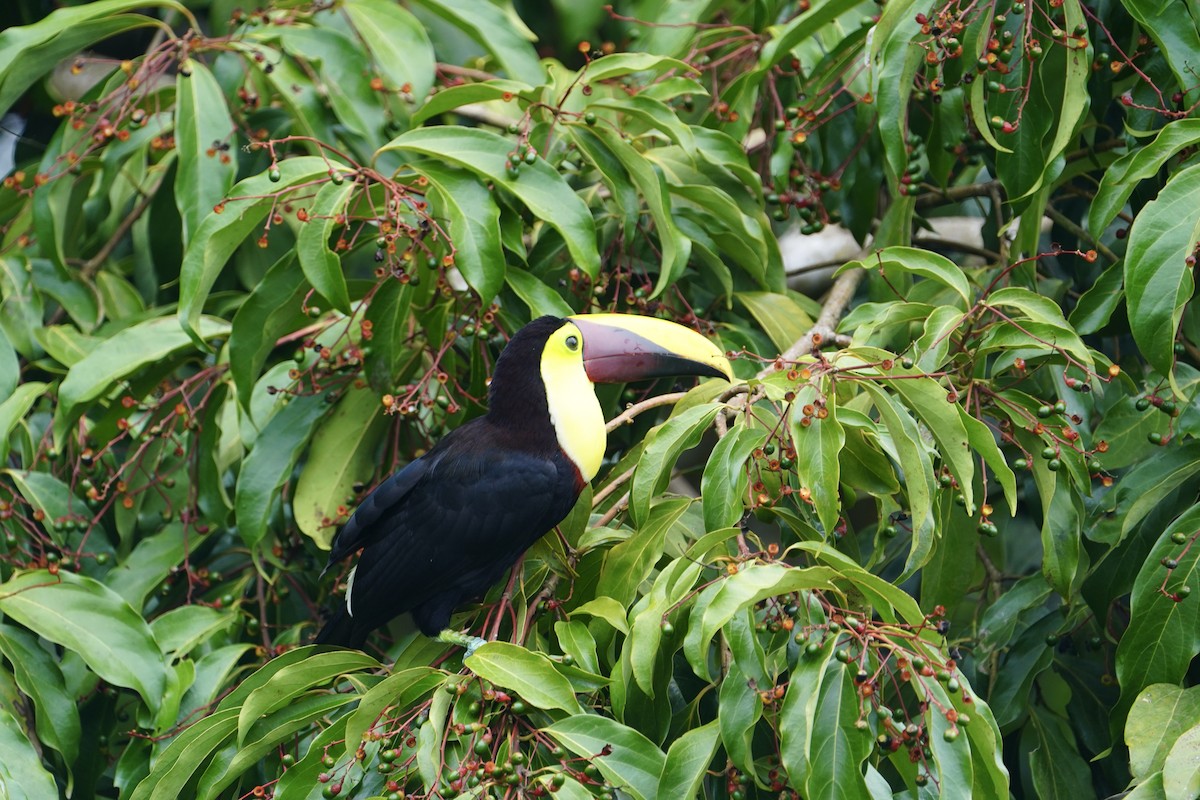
x=202 y=127
x=27 y=53
x=1139 y=164
x=321 y=265
x=725 y=483
x=818 y=447
x=342 y=454
x=1164 y=634
x=538 y=186
x=631 y=761
x=22 y=776
x=474 y=226
x=1159 y=716
x=38 y=675
x=90 y=619
x=687 y=762
x=677 y=434
x=398 y=42
x=220 y=234
x=269 y=465
x=123 y=354
x=530 y=675
x=497 y=30
x=1158 y=281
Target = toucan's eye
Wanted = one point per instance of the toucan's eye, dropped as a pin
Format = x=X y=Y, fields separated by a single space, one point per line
x=573 y=342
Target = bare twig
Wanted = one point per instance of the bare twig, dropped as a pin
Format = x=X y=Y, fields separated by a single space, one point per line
x=88 y=268
x=637 y=408
x=612 y=486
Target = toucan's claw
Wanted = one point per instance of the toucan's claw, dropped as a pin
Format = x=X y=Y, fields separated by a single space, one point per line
x=471 y=643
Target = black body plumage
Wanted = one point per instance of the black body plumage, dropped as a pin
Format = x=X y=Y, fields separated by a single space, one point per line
x=445 y=528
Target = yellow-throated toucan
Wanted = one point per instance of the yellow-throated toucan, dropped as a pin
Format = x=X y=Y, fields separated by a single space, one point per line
x=446 y=527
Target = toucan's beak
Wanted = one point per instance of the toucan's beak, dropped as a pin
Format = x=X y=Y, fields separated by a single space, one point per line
x=618 y=348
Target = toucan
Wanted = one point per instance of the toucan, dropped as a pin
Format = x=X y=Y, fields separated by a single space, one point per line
x=447 y=526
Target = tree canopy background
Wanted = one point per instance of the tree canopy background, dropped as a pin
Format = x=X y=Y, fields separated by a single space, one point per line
x=252 y=260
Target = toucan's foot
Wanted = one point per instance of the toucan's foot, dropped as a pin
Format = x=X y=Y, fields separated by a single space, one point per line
x=471 y=643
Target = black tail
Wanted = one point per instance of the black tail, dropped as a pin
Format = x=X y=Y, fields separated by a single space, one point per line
x=341 y=629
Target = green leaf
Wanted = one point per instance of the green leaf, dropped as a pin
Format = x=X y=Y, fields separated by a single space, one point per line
x=497 y=30
x=219 y=235
x=397 y=41
x=629 y=563
x=144 y=569
x=342 y=454
x=271 y=310
x=13 y=410
x=184 y=757
x=270 y=463
x=616 y=65
x=1158 y=281
x=538 y=185
x=1062 y=535
x=664 y=445
x=10 y=368
x=182 y=629
x=1096 y=306
x=676 y=248
x=123 y=354
x=607 y=609
x=781 y=317
x=918 y=472
x=22 y=776
x=1055 y=765
x=645 y=640
x=47 y=494
x=799 y=711
x=1163 y=635
x=741 y=707
x=540 y=298
x=322 y=266
x=718 y=604
x=265 y=737
x=398 y=690
x=295 y=680
x=687 y=762
x=1149 y=482
x=633 y=763
x=924 y=263
x=474 y=226
x=454 y=97
x=27 y=53
x=64 y=343
x=1181 y=773
x=1161 y=714
x=529 y=674
x=818 y=446
x=837 y=748
x=725 y=483
x=983 y=442
x=205 y=172
x=1178 y=39
x=1139 y=164
x=89 y=618
x=38 y=675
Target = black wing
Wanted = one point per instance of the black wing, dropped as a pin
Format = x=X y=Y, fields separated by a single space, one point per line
x=450 y=530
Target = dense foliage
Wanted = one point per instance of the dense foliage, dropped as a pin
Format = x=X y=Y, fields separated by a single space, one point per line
x=943 y=545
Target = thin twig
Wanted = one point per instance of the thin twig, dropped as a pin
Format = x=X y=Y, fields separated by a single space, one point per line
x=612 y=486
x=1063 y=221
x=645 y=405
x=617 y=508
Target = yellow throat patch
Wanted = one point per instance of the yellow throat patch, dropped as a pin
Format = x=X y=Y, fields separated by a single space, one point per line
x=574 y=410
